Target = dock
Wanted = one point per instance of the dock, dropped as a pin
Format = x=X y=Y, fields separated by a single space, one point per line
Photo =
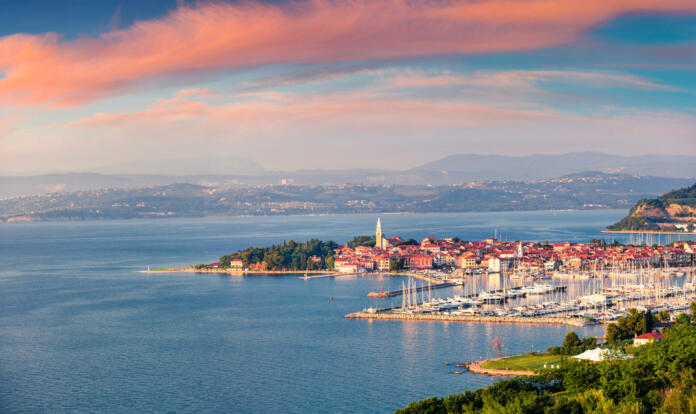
x=577 y=322
x=398 y=292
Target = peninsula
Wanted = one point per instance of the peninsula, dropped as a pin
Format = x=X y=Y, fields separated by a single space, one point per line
x=673 y=212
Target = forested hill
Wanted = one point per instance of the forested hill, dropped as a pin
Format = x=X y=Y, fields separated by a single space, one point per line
x=659 y=378
x=674 y=211
x=577 y=191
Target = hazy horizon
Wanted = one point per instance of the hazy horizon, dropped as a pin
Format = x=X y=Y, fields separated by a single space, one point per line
x=249 y=166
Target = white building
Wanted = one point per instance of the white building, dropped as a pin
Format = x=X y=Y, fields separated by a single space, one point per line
x=498 y=265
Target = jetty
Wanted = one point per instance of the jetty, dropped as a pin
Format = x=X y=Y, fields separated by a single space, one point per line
x=241 y=272
x=398 y=292
x=548 y=320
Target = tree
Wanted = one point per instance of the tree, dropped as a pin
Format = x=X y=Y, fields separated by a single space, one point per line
x=367 y=241
x=571 y=340
x=692 y=306
x=683 y=319
x=409 y=242
x=663 y=316
x=647 y=322
x=394 y=265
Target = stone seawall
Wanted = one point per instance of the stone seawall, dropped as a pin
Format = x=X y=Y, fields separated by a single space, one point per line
x=469 y=318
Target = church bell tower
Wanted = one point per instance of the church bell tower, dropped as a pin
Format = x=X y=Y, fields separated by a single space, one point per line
x=380 y=240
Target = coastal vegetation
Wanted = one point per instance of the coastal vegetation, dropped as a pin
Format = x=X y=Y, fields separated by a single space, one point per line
x=674 y=211
x=526 y=362
x=291 y=255
x=659 y=378
x=572 y=345
x=368 y=241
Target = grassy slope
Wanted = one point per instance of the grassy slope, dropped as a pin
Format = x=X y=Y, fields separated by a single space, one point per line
x=526 y=362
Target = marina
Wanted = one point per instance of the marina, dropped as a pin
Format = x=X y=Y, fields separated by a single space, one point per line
x=594 y=298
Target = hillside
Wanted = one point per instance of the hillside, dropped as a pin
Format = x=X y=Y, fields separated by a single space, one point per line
x=674 y=211
x=455 y=169
x=579 y=191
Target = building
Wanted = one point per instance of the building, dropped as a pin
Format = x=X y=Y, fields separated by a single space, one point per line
x=383 y=263
x=654 y=336
x=419 y=261
x=466 y=261
x=496 y=264
x=381 y=242
x=237 y=264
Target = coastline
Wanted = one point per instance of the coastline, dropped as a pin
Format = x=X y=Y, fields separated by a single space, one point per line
x=289 y=272
x=470 y=318
x=25 y=218
x=241 y=272
x=648 y=232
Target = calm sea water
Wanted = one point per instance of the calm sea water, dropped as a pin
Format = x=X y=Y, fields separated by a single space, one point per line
x=82 y=331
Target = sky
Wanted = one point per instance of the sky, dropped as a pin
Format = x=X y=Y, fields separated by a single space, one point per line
x=325 y=84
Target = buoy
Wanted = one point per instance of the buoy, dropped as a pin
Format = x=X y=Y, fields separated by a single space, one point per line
x=331 y=298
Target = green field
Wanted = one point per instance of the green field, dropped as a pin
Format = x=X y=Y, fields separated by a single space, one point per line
x=526 y=362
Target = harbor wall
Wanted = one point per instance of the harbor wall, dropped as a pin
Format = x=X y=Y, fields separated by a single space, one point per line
x=471 y=318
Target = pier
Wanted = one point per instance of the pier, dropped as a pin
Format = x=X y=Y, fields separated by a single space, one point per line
x=398 y=292
x=577 y=322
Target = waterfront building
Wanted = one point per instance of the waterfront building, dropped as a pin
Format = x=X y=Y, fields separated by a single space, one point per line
x=466 y=261
x=237 y=264
x=497 y=264
x=419 y=261
x=382 y=263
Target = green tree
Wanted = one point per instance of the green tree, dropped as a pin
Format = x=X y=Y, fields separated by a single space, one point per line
x=410 y=242
x=571 y=341
x=683 y=319
x=367 y=241
x=647 y=322
x=663 y=316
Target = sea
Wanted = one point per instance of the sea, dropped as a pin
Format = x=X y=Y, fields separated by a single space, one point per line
x=81 y=330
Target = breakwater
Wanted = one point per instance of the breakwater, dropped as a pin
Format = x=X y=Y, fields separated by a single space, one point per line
x=578 y=322
x=392 y=293
x=242 y=272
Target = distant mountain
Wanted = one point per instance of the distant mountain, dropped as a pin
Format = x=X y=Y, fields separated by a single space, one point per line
x=213 y=165
x=674 y=211
x=70 y=182
x=457 y=169
x=579 y=191
x=470 y=167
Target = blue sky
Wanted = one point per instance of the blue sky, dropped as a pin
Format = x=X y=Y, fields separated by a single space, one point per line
x=325 y=84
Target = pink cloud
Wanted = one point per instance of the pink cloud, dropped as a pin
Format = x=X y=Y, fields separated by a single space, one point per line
x=44 y=69
x=259 y=111
x=525 y=79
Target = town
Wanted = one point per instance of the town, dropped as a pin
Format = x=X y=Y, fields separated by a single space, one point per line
x=564 y=259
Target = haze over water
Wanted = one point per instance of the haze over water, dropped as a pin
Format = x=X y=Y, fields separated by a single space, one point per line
x=81 y=330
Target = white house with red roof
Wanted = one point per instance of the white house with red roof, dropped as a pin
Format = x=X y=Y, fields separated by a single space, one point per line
x=648 y=338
